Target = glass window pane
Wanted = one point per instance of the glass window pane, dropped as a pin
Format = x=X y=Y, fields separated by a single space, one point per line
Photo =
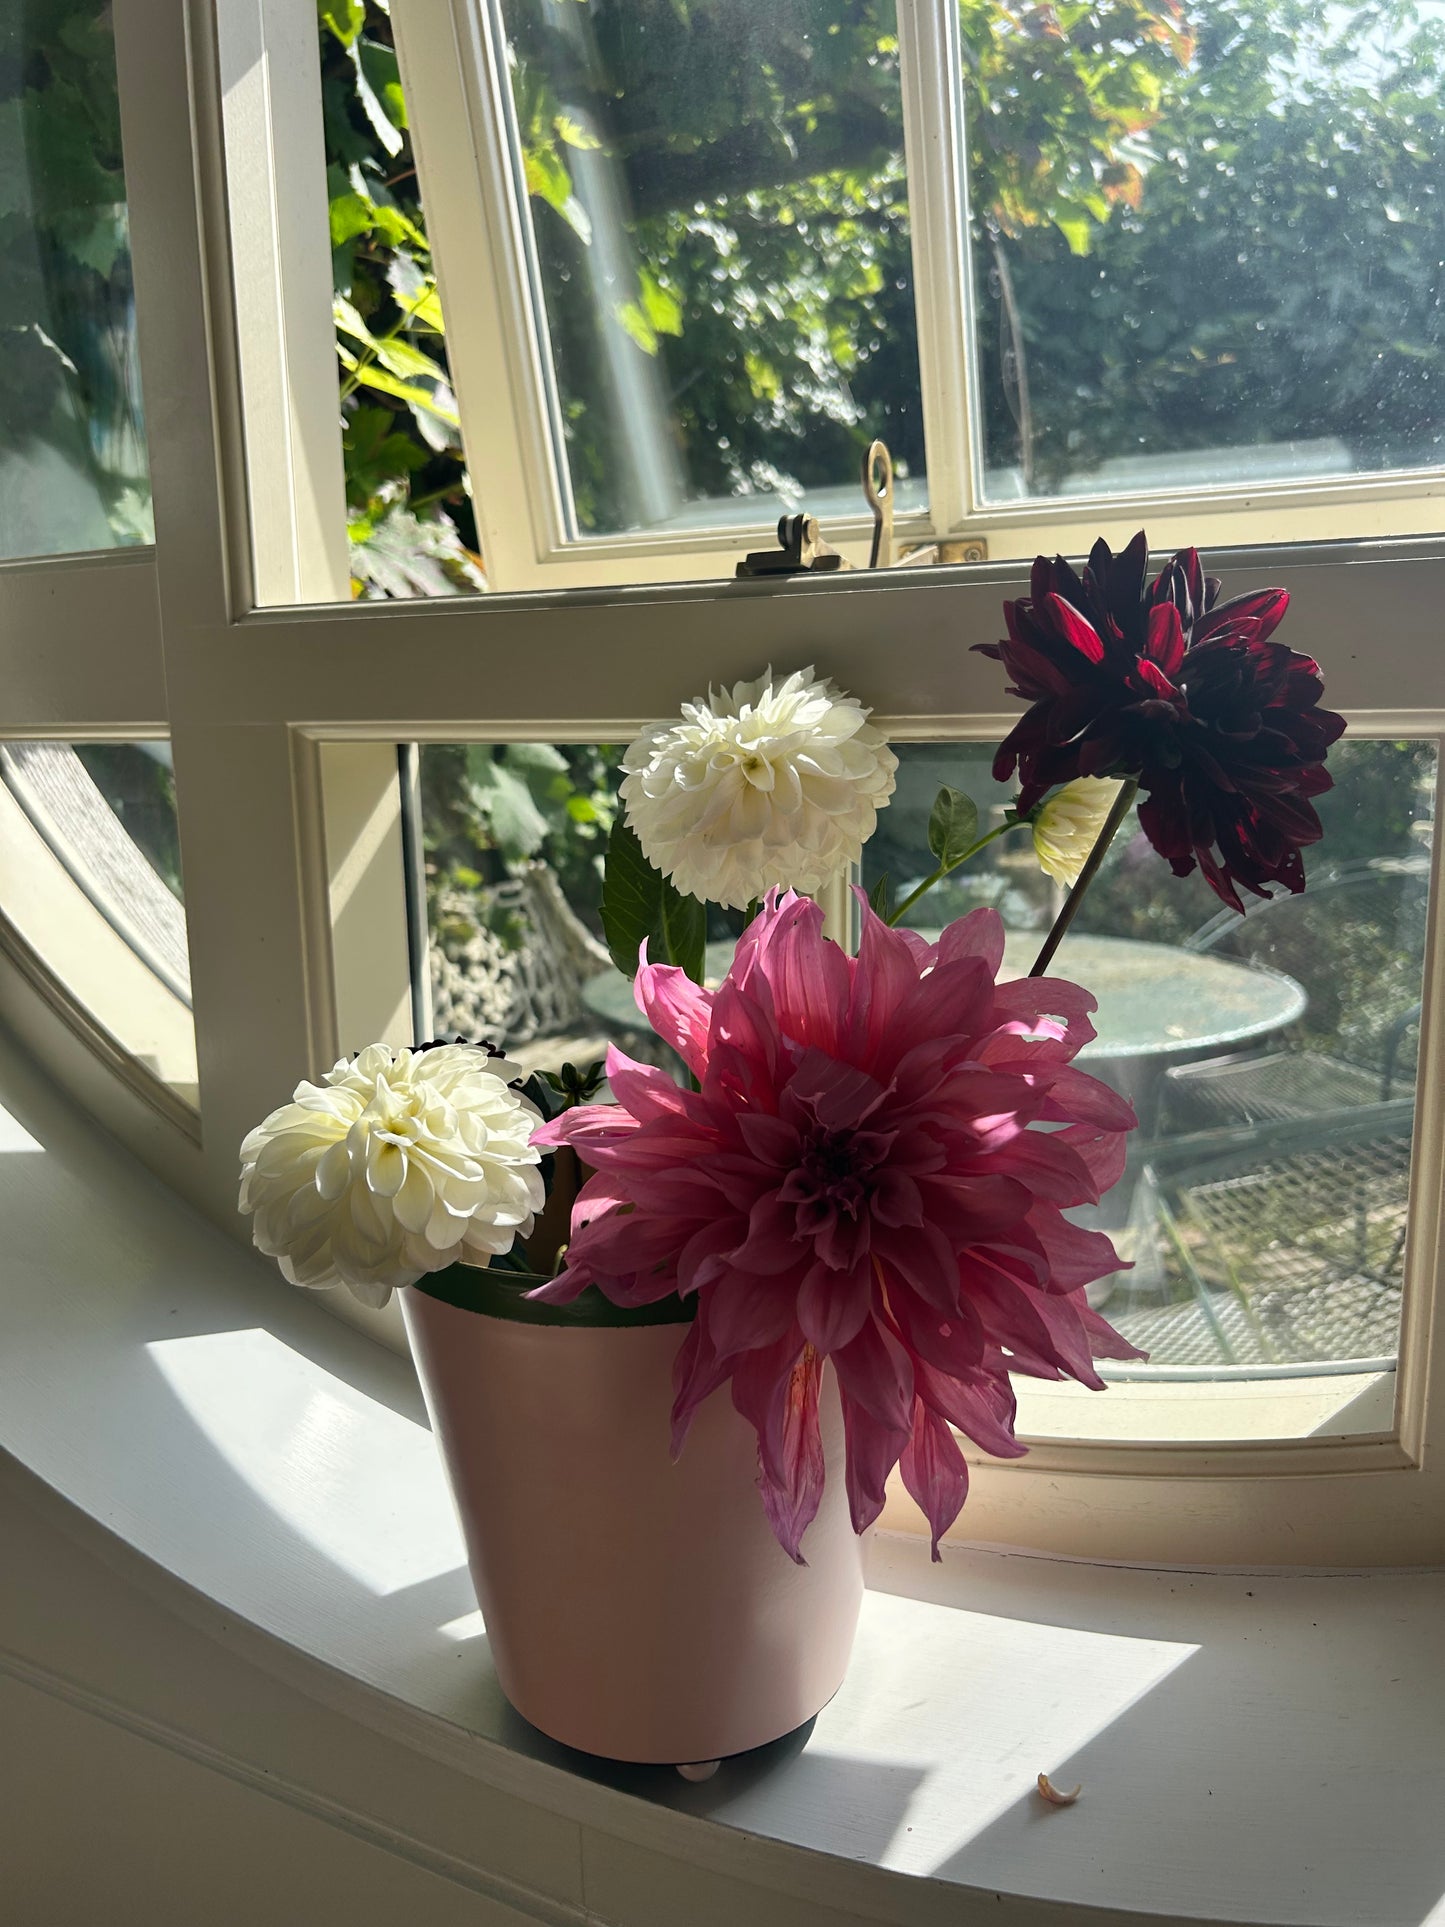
x=1205 y=242
x=72 y=443
x=719 y=212
x=513 y=836
x=90 y=882
x=1270 y=1058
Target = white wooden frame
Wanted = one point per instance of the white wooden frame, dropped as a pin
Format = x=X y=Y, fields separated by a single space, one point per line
x=454 y=65
x=262 y=706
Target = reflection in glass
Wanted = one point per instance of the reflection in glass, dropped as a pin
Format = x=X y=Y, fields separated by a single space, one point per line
x=1270 y=1058
x=72 y=445
x=90 y=885
x=1205 y=241
x=719 y=211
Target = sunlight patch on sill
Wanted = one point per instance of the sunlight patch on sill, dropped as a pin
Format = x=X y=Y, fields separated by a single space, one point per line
x=360 y=1483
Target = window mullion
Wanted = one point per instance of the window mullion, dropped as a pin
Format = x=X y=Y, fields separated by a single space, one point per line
x=938 y=216
x=276 y=199
x=459 y=113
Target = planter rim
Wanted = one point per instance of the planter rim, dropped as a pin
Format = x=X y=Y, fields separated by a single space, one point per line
x=493 y=1292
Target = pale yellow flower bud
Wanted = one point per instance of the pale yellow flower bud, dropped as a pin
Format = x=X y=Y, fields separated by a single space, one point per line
x=1067 y=826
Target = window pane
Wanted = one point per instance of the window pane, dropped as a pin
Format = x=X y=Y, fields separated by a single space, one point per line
x=91 y=887
x=72 y=445
x=720 y=219
x=1270 y=1058
x=513 y=836
x=1205 y=242
x=408 y=501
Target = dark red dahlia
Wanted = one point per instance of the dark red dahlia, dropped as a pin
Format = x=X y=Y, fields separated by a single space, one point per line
x=1221 y=726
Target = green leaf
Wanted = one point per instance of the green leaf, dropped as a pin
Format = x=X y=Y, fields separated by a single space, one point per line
x=374 y=106
x=952 y=826
x=415 y=289
x=636 y=324
x=661 y=305
x=500 y=1292
x=344 y=17
x=519 y=827
x=878 y=896
x=379 y=63
x=539 y=759
x=640 y=905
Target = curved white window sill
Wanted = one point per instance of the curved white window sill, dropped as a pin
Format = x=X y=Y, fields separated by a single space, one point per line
x=1252 y=1748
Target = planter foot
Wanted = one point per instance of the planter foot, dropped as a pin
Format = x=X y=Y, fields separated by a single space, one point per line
x=699 y=1769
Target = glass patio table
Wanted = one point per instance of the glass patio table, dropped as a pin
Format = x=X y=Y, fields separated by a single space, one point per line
x=1158 y=1004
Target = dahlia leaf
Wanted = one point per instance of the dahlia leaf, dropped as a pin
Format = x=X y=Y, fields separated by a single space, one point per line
x=878 y=897
x=952 y=826
x=640 y=905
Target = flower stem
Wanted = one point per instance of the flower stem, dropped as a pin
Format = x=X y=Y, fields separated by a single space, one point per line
x=1123 y=803
x=947 y=869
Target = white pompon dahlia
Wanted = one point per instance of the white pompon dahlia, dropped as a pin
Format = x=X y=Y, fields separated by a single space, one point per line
x=398 y=1164
x=1067 y=826
x=771 y=783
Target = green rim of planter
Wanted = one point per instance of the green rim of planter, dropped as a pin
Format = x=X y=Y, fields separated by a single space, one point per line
x=503 y=1294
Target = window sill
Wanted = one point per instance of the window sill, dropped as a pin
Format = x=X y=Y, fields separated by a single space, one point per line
x=1252 y=1748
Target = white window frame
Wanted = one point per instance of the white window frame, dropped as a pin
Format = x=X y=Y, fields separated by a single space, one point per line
x=454 y=68
x=283 y=723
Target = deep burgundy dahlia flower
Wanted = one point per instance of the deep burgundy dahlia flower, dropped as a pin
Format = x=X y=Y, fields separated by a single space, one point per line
x=856 y=1179
x=1221 y=726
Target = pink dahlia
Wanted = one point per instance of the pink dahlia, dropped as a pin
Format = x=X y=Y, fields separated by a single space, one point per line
x=856 y=1179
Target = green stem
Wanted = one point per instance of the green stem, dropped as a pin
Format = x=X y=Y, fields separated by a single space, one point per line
x=369 y=349
x=947 y=869
x=1123 y=803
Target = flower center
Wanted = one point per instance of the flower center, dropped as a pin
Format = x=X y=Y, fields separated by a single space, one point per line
x=833 y=1174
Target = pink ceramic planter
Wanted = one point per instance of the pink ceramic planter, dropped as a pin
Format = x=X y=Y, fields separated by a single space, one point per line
x=635 y=1608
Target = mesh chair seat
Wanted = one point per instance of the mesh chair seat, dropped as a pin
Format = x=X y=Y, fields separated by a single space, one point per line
x=1289 y=1238
x=1264 y=1087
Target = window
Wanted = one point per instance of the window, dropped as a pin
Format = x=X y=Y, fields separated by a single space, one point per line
x=1144 y=257
x=72 y=440
x=284 y=700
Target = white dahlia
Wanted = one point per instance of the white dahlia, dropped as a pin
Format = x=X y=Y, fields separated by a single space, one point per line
x=771 y=783
x=1067 y=826
x=397 y=1164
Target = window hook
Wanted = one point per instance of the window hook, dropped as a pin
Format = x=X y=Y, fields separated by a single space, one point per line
x=878 y=488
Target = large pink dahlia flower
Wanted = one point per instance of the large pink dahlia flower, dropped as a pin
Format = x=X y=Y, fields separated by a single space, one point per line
x=856 y=1178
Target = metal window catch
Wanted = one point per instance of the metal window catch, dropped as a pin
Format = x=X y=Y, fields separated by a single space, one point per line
x=801 y=550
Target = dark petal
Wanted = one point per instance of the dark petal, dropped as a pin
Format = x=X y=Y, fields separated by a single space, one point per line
x=1076 y=629
x=1126 y=582
x=1165 y=645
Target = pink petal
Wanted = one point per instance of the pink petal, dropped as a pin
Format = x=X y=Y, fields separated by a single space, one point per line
x=875 y=1372
x=934 y=1472
x=791 y=1502
x=808 y=975
x=1073 y=1097
x=1076 y=1256
x=1105 y=1152
x=745 y=1311
x=873 y=1450
x=679 y=1010
x=980 y=1403
x=833 y=1304
x=979 y=934
x=697 y=1371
